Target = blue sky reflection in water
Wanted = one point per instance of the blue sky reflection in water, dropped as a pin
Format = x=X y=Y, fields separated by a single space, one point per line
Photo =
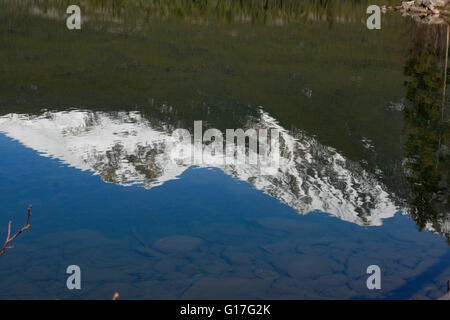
x=364 y=138
x=204 y=234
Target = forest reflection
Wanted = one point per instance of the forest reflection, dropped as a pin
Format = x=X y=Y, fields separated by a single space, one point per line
x=269 y=12
x=426 y=126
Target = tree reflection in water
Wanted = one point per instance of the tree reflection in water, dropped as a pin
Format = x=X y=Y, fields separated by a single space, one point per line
x=426 y=127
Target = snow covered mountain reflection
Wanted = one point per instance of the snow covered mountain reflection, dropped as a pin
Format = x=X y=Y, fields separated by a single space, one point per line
x=125 y=149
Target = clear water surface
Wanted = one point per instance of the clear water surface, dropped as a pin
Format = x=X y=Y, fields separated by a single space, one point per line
x=85 y=136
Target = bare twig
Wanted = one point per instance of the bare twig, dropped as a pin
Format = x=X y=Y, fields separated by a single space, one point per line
x=10 y=239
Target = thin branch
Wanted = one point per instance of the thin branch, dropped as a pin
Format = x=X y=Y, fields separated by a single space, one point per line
x=10 y=239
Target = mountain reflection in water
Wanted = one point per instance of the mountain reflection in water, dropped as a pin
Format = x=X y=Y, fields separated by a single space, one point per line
x=364 y=126
x=123 y=148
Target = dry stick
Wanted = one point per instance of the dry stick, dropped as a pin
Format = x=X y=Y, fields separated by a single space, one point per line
x=10 y=239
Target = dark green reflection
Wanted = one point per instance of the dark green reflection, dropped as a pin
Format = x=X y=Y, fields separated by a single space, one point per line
x=426 y=127
x=270 y=12
x=312 y=65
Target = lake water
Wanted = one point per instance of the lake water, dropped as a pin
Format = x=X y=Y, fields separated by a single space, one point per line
x=86 y=123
